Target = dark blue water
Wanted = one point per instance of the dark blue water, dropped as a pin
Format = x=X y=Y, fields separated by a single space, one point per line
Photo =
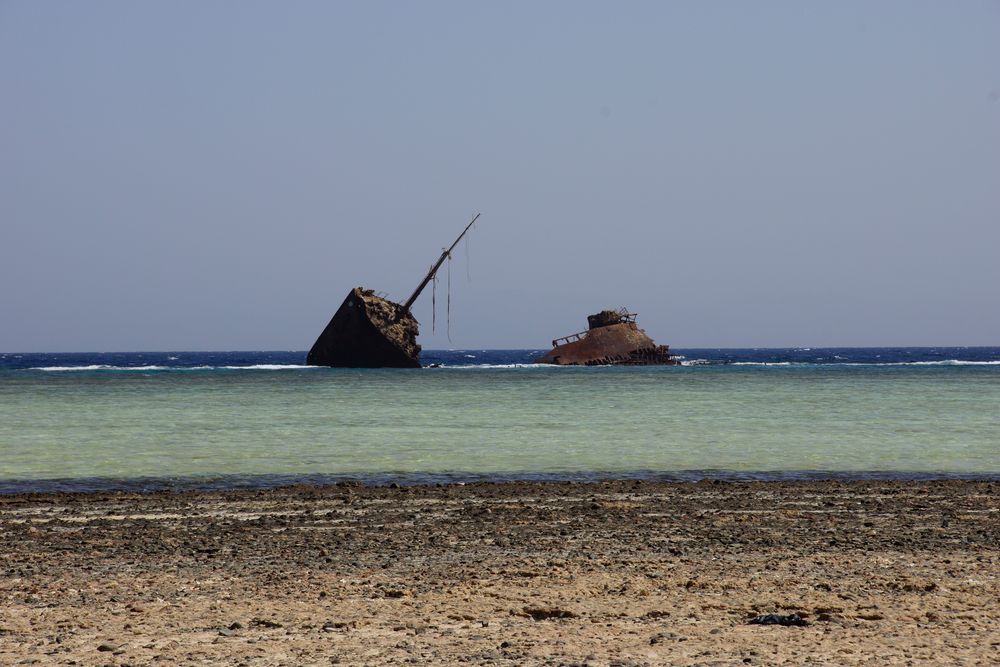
x=692 y=356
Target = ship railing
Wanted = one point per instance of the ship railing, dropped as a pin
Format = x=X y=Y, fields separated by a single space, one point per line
x=569 y=339
x=627 y=318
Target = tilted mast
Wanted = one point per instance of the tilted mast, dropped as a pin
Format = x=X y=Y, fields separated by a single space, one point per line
x=437 y=265
x=370 y=331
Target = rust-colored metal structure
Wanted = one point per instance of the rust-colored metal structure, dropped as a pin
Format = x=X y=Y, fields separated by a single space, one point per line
x=370 y=331
x=612 y=339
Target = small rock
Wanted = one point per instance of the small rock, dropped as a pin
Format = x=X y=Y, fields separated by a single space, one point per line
x=778 y=619
x=545 y=613
x=398 y=593
x=339 y=625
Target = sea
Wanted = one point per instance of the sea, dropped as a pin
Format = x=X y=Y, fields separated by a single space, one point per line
x=228 y=420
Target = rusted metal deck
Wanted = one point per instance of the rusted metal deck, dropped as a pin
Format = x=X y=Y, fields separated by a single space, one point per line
x=614 y=338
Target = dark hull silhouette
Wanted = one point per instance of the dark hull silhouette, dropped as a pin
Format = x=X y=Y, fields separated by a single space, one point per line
x=370 y=331
x=367 y=331
x=613 y=339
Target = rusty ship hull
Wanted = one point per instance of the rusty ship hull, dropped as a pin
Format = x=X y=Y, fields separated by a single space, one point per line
x=613 y=339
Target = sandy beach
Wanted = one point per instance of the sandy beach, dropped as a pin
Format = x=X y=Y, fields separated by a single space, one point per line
x=617 y=573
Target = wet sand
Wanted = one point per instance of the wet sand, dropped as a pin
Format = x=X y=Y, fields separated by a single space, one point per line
x=623 y=573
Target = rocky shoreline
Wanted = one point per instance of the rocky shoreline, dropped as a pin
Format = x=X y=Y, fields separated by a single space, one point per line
x=625 y=573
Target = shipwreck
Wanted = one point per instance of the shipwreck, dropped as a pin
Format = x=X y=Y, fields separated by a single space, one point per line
x=370 y=331
x=612 y=339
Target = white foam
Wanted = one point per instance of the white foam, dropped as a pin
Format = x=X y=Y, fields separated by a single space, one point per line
x=946 y=362
x=502 y=366
x=685 y=362
x=253 y=367
x=763 y=363
x=268 y=367
x=105 y=367
x=99 y=367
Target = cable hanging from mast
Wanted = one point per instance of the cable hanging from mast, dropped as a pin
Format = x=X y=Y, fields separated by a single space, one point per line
x=432 y=278
x=468 y=252
x=449 y=298
x=433 y=272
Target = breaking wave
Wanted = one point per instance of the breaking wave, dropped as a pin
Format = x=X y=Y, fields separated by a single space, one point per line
x=691 y=360
x=268 y=367
x=99 y=367
x=773 y=363
x=105 y=367
x=497 y=366
x=948 y=362
x=945 y=362
x=460 y=366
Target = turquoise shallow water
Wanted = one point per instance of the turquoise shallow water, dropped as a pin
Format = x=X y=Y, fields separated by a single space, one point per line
x=519 y=421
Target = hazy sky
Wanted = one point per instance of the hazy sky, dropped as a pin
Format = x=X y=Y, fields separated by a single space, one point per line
x=217 y=175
